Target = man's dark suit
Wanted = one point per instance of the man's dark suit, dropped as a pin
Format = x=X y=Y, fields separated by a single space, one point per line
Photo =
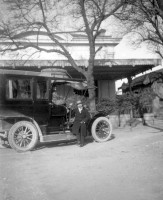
x=79 y=126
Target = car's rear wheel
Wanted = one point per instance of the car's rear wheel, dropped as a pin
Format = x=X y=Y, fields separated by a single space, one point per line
x=23 y=136
x=101 y=129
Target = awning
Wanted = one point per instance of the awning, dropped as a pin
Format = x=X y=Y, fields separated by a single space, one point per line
x=105 y=69
x=118 y=68
x=143 y=80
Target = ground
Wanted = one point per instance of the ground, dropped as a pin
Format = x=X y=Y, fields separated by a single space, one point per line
x=129 y=167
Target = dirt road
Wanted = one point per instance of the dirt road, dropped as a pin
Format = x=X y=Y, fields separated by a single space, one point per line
x=128 y=167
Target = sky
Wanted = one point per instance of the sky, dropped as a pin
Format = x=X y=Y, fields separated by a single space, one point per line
x=125 y=51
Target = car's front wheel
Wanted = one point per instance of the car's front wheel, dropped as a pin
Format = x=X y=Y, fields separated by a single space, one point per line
x=23 y=136
x=101 y=129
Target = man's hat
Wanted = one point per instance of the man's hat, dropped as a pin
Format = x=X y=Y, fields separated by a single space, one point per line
x=78 y=102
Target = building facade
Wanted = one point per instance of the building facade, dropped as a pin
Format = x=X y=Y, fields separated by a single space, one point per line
x=106 y=70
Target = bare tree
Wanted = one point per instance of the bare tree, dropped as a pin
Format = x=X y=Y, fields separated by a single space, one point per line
x=160 y=4
x=28 y=19
x=145 y=19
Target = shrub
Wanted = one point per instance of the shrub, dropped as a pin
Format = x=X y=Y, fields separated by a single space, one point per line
x=107 y=106
x=139 y=103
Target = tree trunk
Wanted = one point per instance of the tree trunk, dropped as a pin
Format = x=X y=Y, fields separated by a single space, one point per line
x=92 y=99
x=91 y=90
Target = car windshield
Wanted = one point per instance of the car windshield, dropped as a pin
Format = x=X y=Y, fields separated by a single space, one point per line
x=66 y=92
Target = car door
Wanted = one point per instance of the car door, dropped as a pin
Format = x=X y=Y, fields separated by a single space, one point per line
x=42 y=106
x=18 y=95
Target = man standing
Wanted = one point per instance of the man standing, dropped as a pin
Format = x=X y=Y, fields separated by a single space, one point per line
x=79 y=127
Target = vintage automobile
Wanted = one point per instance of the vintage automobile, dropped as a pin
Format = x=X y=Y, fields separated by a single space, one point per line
x=29 y=115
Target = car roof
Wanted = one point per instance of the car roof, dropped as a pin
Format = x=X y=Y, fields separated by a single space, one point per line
x=47 y=74
x=57 y=76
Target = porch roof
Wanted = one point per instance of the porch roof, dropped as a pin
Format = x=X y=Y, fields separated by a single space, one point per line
x=105 y=69
x=143 y=80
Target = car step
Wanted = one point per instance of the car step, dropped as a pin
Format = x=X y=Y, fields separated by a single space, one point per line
x=66 y=136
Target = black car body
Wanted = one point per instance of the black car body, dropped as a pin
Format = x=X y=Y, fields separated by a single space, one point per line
x=28 y=114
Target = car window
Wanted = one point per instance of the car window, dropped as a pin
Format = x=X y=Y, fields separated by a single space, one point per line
x=42 y=89
x=19 y=88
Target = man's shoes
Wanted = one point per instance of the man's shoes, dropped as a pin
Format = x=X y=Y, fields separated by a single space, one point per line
x=81 y=145
x=78 y=143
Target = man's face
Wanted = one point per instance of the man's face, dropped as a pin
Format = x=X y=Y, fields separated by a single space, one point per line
x=80 y=106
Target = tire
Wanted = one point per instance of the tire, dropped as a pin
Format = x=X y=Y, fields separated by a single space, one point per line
x=23 y=136
x=101 y=129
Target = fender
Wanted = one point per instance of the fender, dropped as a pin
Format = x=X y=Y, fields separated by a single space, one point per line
x=94 y=117
x=8 y=122
x=38 y=129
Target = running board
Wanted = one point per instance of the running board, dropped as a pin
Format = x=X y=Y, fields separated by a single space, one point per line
x=58 y=137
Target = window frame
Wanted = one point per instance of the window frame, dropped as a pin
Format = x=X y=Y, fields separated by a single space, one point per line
x=19 y=78
x=48 y=89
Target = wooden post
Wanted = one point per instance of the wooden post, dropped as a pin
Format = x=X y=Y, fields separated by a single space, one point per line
x=130 y=90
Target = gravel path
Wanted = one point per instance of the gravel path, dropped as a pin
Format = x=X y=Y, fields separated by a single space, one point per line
x=129 y=167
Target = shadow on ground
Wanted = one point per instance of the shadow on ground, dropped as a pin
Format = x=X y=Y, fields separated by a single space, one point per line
x=88 y=140
x=60 y=144
x=40 y=146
